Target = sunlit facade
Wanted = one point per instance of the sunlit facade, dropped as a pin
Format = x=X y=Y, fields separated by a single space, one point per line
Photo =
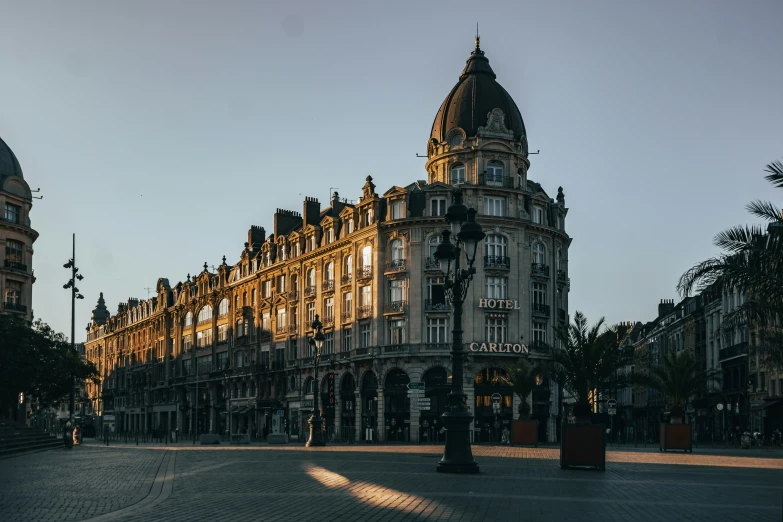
x=226 y=350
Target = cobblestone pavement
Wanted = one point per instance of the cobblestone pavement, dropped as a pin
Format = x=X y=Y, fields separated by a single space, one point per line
x=381 y=483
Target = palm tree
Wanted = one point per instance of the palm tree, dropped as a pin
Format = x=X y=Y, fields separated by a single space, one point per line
x=679 y=378
x=587 y=362
x=752 y=260
x=522 y=379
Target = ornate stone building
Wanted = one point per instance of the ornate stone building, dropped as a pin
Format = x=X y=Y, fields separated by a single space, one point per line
x=227 y=348
x=16 y=237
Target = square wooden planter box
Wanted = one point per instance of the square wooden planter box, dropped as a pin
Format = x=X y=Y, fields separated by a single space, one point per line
x=582 y=445
x=525 y=433
x=676 y=436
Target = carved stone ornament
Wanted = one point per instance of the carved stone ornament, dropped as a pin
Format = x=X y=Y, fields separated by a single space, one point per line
x=495 y=127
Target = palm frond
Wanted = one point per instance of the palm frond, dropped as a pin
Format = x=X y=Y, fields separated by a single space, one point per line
x=737 y=238
x=765 y=210
x=775 y=175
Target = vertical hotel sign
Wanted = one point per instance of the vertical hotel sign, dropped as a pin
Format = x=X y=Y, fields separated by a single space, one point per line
x=330 y=384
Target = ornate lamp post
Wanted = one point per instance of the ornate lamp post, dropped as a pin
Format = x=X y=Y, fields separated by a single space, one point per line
x=457 y=455
x=316 y=421
x=75 y=276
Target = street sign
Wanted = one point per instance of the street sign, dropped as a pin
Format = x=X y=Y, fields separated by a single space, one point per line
x=425 y=408
x=612 y=403
x=421 y=401
x=719 y=406
x=496 y=397
x=415 y=385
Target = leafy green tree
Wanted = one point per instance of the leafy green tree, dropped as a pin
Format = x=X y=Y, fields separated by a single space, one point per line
x=37 y=361
x=679 y=378
x=522 y=379
x=587 y=362
x=752 y=260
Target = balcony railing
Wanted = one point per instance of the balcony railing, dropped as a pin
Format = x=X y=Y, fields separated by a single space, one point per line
x=328 y=285
x=201 y=322
x=282 y=328
x=539 y=269
x=346 y=317
x=346 y=279
x=292 y=328
x=431 y=264
x=15 y=307
x=309 y=291
x=364 y=311
x=497 y=262
x=561 y=277
x=492 y=180
x=396 y=307
x=293 y=295
x=736 y=350
x=395 y=265
x=540 y=310
x=436 y=306
x=328 y=321
x=15 y=265
x=364 y=272
x=264 y=334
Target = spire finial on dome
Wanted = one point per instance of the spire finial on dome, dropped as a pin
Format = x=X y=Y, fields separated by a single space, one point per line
x=478 y=38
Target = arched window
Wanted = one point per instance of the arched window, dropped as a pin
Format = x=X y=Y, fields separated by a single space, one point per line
x=294 y=283
x=308 y=386
x=311 y=277
x=189 y=319
x=397 y=250
x=223 y=308
x=495 y=246
x=539 y=254
x=457 y=174
x=367 y=256
x=348 y=266
x=329 y=271
x=495 y=173
x=434 y=242
x=205 y=314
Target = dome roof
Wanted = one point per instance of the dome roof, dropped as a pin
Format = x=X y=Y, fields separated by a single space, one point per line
x=470 y=101
x=9 y=165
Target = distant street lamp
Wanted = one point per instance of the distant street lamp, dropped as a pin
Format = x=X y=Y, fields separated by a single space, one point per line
x=316 y=421
x=75 y=276
x=457 y=455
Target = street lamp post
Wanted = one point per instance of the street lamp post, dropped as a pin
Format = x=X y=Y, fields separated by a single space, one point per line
x=75 y=276
x=316 y=421
x=457 y=455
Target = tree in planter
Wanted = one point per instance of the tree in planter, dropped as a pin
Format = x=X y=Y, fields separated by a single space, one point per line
x=679 y=378
x=522 y=379
x=587 y=361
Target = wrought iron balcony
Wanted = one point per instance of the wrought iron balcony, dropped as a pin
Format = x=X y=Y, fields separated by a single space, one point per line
x=15 y=265
x=396 y=307
x=346 y=279
x=15 y=307
x=309 y=291
x=395 y=265
x=539 y=269
x=540 y=310
x=492 y=180
x=327 y=286
x=264 y=334
x=328 y=321
x=436 y=305
x=431 y=264
x=282 y=328
x=364 y=311
x=561 y=277
x=497 y=262
x=364 y=272
x=345 y=317
x=293 y=295
x=561 y=315
x=292 y=328
x=736 y=350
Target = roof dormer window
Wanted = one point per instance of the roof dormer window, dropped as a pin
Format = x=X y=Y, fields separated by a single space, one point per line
x=397 y=210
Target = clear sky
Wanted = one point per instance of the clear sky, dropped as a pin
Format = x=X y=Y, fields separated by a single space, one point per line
x=160 y=131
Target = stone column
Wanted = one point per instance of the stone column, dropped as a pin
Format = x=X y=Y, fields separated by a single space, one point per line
x=381 y=425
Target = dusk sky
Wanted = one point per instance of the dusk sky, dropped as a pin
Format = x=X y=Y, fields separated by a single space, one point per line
x=159 y=132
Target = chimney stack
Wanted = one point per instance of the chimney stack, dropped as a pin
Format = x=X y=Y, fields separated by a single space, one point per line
x=255 y=237
x=665 y=307
x=286 y=221
x=312 y=211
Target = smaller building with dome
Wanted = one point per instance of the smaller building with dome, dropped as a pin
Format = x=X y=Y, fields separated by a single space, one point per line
x=16 y=237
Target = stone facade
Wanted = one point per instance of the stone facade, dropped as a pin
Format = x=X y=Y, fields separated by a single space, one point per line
x=16 y=237
x=226 y=350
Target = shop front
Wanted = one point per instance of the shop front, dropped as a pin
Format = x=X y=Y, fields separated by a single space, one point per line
x=436 y=388
x=369 y=395
x=491 y=386
x=347 y=409
x=396 y=410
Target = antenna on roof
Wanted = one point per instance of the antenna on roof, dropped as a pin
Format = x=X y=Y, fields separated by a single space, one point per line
x=148 y=292
x=37 y=190
x=420 y=156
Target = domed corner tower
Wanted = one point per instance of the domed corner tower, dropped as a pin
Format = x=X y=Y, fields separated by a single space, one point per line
x=478 y=136
x=16 y=237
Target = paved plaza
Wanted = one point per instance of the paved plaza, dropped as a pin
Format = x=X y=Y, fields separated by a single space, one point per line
x=229 y=483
